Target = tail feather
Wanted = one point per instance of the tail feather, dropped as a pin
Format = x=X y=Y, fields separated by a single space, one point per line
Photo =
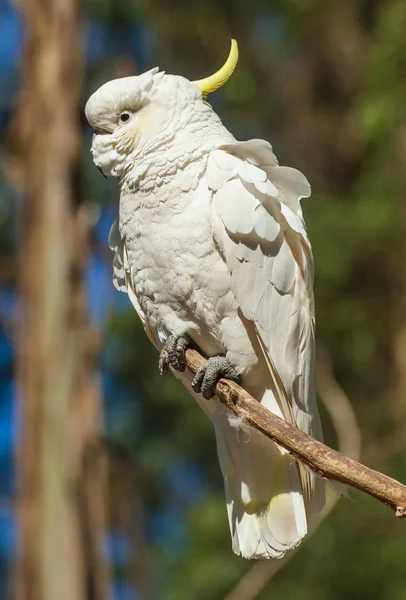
x=265 y=505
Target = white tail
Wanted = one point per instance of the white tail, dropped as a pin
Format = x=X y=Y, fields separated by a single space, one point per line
x=266 y=505
x=266 y=508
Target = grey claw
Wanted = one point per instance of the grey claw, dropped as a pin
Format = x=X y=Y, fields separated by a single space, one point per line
x=173 y=354
x=208 y=375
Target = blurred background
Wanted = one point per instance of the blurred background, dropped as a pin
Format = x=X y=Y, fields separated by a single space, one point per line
x=109 y=481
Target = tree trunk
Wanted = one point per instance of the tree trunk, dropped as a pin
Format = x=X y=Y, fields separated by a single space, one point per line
x=59 y=395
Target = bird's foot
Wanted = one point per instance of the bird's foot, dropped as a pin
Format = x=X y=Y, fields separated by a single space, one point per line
x=208 y=375
x=173 y=354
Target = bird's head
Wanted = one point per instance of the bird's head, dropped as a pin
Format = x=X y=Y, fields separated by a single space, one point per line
x=133 y=116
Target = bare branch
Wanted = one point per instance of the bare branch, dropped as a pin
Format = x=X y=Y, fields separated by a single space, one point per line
x=338 y=406
x=322 y=459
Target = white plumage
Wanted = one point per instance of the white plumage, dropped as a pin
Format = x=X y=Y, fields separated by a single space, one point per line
x=211 y=242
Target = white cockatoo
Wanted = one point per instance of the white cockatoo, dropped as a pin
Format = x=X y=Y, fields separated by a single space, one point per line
x=211 y=247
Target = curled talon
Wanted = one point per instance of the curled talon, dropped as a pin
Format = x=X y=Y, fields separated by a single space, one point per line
x=173 y=354
x=208 y=375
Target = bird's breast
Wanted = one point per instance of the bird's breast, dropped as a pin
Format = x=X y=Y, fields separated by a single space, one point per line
x=176 y=272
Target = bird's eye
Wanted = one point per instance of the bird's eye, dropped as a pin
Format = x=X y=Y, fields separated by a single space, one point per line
x=125 y=117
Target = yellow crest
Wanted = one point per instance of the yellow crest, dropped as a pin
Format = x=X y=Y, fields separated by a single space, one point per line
x=212 y=83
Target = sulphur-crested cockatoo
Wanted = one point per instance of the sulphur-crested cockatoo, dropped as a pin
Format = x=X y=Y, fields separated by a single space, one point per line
x=211 y=247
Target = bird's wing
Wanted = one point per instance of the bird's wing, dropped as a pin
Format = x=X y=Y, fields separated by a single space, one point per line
x=259 y=230
x=122 y=278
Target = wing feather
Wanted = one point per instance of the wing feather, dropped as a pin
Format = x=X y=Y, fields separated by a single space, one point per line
x=259 y=229
x=122 y=277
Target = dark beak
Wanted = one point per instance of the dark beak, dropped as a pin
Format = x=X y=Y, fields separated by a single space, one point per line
x=101 y=171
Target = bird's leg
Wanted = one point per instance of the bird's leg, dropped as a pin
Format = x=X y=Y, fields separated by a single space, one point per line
x=173 y=353
x=208 y=375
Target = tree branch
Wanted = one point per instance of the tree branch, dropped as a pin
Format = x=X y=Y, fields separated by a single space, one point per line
x=320 y=458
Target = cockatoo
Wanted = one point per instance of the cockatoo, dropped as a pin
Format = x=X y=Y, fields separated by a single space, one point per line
x=211 y=247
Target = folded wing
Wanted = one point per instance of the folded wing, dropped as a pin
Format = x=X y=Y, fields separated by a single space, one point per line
x=259 y=230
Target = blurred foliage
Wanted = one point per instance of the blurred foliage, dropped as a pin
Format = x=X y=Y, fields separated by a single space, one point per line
x=325 y=83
